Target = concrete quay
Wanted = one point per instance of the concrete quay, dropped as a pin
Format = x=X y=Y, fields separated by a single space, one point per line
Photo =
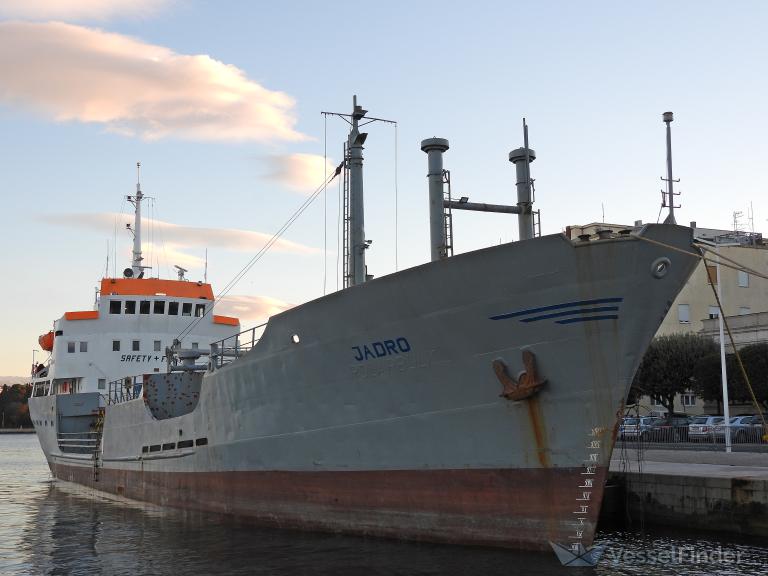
x=704 y=490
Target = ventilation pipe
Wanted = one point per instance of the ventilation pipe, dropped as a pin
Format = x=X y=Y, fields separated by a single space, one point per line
x=522 y=158
x=434 y=147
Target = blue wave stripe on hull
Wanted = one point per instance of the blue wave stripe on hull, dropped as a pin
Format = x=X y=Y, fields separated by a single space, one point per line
x=555 y=307
x=571 y=313
x=589 y=319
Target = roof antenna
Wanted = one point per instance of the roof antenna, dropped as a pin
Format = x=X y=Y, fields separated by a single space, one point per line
x=668 y=197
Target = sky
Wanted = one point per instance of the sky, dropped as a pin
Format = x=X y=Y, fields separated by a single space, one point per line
x=221 y=103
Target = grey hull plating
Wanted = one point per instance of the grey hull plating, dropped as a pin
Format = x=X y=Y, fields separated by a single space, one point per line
x=394 y=378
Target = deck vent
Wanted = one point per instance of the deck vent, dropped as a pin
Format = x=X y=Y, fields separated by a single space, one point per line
x=603 y=234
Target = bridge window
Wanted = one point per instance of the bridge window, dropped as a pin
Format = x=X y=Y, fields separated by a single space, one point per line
x=195 y=346
x=83 y=346
x=102 y=383
x=173 y=308
x=154 y=448
x=144 y=307
x=201 y=441
x=186 y=309
x=199 y=310
x=115 y=345
x=71 y=347
x=114 y=306
x=136 y=345
x=159 y=307
x=130 y=307
x=186 y=443
x=157 y=345
x=169 y=446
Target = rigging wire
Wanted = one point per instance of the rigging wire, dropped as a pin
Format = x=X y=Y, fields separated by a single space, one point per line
x=338 y=237
x=325 y=201
x=396 y=195
x=264 y=249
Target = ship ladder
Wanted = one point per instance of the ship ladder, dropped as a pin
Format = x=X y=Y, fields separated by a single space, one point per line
x=98 y=430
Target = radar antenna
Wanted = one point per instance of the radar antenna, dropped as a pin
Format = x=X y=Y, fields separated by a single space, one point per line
x=181 y=271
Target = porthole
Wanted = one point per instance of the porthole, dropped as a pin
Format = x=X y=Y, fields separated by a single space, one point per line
x=660 y=267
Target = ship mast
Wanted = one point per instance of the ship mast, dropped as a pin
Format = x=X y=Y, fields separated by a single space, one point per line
x=357 y=243
x=136 y=269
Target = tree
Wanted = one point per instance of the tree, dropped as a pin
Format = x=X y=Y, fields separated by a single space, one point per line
x=755 y=359
x=13 y=405
x=668 y=367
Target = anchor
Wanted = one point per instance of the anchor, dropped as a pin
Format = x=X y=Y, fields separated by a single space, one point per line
x=528 y=383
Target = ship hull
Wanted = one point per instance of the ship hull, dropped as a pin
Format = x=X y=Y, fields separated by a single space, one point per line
x=512 y=508
x=381 y=409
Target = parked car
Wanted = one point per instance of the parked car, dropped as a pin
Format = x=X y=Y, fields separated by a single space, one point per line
x=741 y=429
x=671 y=428
x=634 y=428
x=752 y=428
x=703 y=427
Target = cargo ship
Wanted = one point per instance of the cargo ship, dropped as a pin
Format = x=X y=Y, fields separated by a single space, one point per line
x=473 y=399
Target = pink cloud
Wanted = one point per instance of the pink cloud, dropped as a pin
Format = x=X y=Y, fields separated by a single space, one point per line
x=77 y=9
x=176 y=237
x=300 y=172
x=74 y=73
x=251 y=310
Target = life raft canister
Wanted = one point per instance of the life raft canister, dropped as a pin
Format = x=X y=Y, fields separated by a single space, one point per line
x=46 y=341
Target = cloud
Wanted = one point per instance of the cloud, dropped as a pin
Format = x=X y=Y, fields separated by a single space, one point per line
x=251 y=310
x=300 y=172
x=175 y=236
x=74 y=73
x=80 y=9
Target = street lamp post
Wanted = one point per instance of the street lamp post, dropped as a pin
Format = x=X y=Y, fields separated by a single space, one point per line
x=720 y=314
x=723 y=372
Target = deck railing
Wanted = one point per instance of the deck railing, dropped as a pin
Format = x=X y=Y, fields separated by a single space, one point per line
x=124 y=389
x=233 y=347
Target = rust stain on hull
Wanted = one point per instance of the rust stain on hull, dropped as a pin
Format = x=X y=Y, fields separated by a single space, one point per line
x=539 y=432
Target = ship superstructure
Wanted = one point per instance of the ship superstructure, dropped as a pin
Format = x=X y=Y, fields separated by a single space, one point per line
x=473 y=399
x=134 y=320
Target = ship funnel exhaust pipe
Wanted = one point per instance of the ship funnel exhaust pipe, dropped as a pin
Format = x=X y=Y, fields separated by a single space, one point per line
x=522 y=158
x=435 y=147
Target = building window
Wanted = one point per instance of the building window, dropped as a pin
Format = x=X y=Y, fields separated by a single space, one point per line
x=714 y=312
x=159 y=307
x=684 y=313
x=115 y=345
x=114 y=306
x=173 y=308
x=71 y=347
x=83 y=346
x=186 y=309
x=712 y=274
x=688 y=399
x=130 y=307
x=136 y=346
x=102 y=383
x=744 y=310
x=157 y=345
x=743 y=279
x=199 y=310
x=144 y=307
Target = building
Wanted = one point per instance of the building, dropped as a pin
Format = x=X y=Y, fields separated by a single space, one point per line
x=695 y=308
